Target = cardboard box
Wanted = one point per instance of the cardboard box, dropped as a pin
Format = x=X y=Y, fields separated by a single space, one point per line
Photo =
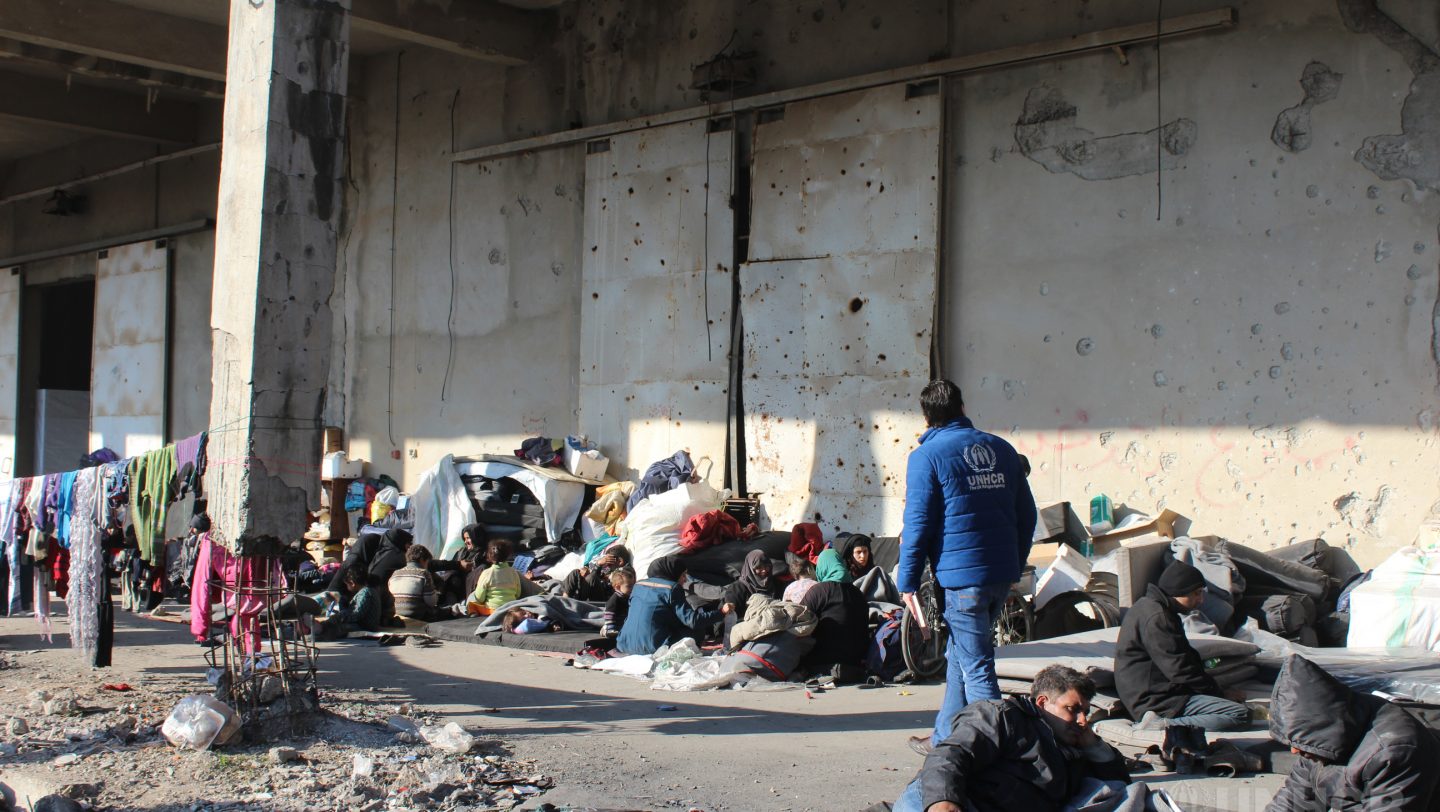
x=1058 y=523
x=1167 y=525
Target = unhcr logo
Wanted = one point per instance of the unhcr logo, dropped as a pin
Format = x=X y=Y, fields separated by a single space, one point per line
x=981 y=459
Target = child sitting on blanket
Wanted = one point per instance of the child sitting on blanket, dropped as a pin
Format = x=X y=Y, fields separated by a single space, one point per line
x=498 y=584
x=618 y=606
x=524 y=621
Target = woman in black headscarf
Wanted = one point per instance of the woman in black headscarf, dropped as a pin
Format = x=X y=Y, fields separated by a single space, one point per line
x=459 y=574
x=855 y=554
x=755 y=579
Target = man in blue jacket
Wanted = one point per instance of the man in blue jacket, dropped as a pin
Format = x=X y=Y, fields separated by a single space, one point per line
x=969 y=514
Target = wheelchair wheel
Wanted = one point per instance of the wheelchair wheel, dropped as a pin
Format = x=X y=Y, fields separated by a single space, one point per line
x=925 y=658
x=1016 y=622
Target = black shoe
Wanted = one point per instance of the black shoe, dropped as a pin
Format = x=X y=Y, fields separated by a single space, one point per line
x=920 y=744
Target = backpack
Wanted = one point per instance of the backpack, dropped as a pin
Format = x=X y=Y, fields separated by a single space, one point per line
x=886 y=659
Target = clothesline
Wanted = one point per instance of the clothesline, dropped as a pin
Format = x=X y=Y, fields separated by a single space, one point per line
x=54 y=522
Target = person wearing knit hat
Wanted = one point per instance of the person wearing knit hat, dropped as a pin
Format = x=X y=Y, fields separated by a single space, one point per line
x=1158 y=674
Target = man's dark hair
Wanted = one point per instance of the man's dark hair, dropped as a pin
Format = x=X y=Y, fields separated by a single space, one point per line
x=1057 y=680
x=418 y=553
x=941 y=402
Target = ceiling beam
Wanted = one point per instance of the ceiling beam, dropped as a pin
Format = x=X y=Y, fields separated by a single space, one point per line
x=95 y=110
x=479 y=29
x=15 y=52
x=116 y=31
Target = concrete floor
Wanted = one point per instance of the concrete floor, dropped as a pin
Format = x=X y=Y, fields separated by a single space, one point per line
x=613 y=743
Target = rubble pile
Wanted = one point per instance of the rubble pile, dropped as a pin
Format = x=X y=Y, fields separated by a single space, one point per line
x=87 y=747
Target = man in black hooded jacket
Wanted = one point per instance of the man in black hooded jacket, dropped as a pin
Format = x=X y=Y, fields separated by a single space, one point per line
x=1019 y=754
x=1158 y=674
x=1356 y=751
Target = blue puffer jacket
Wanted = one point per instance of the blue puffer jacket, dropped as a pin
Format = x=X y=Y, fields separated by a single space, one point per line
x=968 y=510
x=660 y=615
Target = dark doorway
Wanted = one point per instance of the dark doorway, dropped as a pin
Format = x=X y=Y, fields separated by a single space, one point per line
x=57 y=331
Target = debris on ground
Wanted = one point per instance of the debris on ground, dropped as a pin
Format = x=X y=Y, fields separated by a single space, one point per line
x=88 y=747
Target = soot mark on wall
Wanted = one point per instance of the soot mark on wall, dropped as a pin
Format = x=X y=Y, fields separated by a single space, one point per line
x=1292 y=127
x=1414 y=153
x=1048 y=135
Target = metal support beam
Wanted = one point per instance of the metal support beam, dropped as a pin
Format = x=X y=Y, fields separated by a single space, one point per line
x=111 y=173
x=116 y=31
x=1168 y=28
x=176 y=230
x=479 y=29
x=90 y=109
x=15 y=52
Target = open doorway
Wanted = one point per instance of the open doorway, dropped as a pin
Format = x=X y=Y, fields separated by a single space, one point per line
x=58 y=324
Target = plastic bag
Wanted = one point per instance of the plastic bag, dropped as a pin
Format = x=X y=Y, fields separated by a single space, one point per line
x=442 y=509
x=199 y=722
x=670 y=658
x=652 y=530
x=697 y=674
x=451 y=738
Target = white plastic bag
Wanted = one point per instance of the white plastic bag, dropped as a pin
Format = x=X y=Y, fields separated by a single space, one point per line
x=451 y=738
x=672 y=657
x=442 y=509
x=200 y=721
x=652 y=530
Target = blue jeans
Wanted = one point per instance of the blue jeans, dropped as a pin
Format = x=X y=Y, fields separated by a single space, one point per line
x=909 y=800
x=1212 y=713
x=970 y=671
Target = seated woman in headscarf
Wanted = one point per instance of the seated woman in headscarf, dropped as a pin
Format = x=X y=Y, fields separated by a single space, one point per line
x=872 y=581
x=802 y=574
x=459 y=575
x=659 y=614
x=842 y=635
x=854 y=551
x=591 y=583
x=755 y=579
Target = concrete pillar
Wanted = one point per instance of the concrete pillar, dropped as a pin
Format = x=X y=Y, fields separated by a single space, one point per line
x=275 y=251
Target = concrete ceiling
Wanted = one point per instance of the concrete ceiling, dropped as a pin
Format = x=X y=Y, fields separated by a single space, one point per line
x=153 y=70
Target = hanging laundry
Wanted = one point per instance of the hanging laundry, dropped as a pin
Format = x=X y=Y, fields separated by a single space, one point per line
x=18 y=529
x=244 y=581
x=87 y=563
x=152 y=489
x=35 y=524
x=189 y=465
x=57 y=565
x=64 y=503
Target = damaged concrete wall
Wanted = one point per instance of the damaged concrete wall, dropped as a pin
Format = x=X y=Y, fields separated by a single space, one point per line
x=1261 y=358
x=165 y=194
x=655 y=311
x=461 y=320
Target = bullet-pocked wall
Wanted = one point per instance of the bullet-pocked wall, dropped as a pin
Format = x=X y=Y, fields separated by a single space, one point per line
x=459 y=332
x=482 y=278
x=1226 y=305
x=162 y=195
x=1261 y=358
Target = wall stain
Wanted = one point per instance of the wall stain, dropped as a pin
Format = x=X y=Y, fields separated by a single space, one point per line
x=1048 y=135
x=1414 y=154
x=1292 y=128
